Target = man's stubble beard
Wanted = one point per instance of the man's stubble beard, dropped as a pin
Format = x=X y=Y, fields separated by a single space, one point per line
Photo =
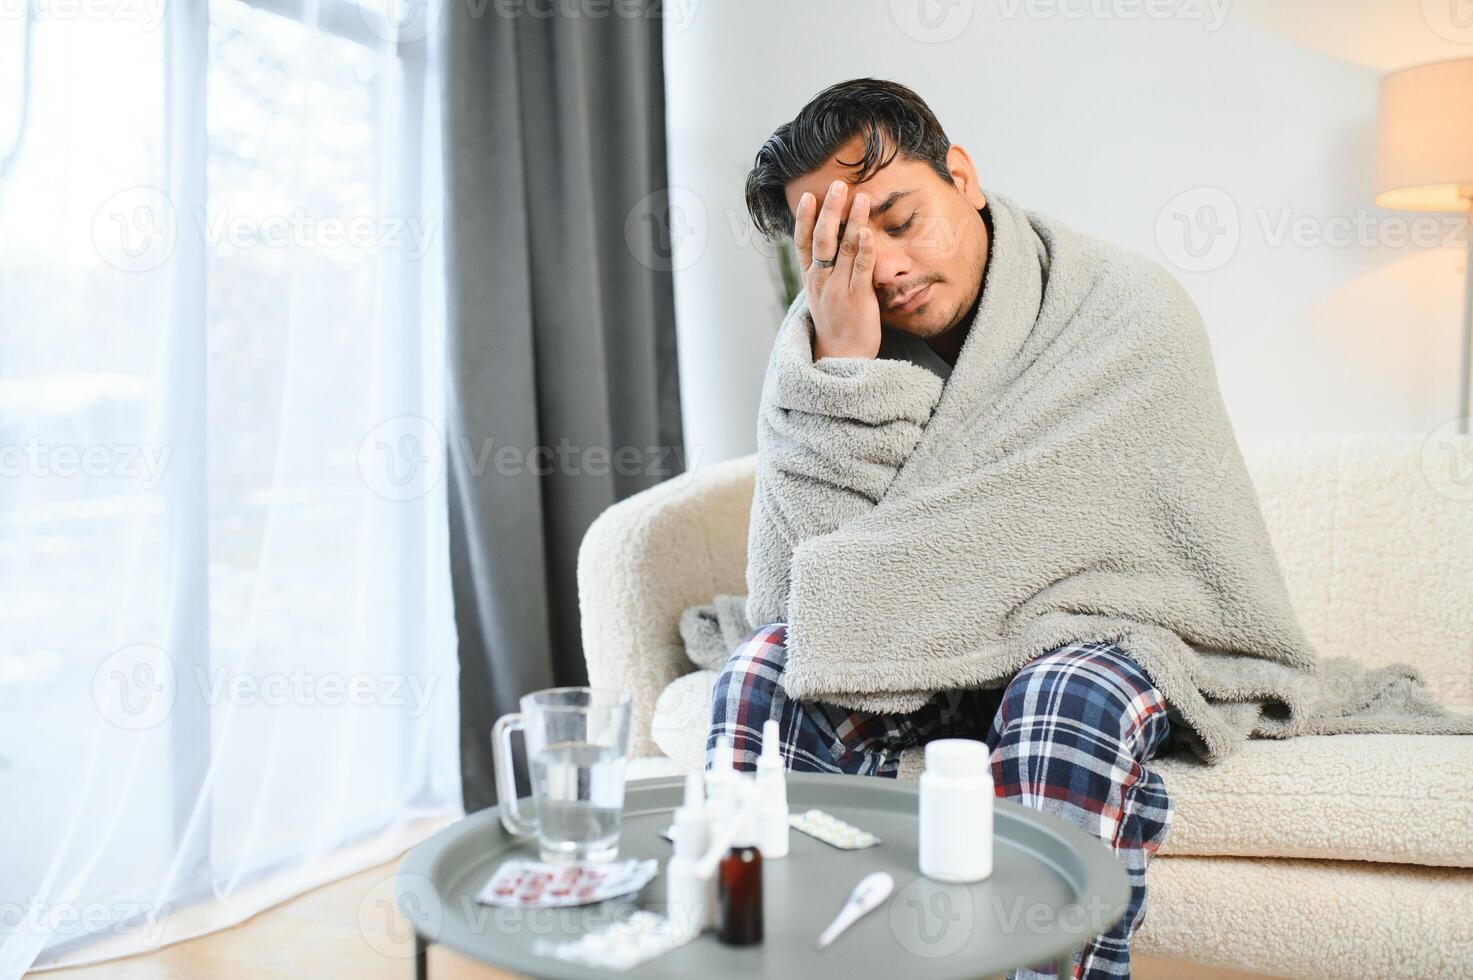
x=966 y=307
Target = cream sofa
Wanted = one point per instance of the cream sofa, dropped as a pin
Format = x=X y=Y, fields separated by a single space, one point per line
x=1345 y=855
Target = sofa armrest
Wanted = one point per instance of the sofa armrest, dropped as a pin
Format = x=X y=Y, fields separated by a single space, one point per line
x=643 y=562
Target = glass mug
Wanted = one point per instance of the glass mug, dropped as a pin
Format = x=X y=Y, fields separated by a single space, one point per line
x=577 y=741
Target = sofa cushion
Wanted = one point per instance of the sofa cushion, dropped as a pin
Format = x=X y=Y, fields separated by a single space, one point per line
x=682 y=718
x=1394 y=798
x=1295 y=918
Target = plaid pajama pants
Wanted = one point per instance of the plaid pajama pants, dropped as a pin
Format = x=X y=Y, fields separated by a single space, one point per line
x=1070 y=735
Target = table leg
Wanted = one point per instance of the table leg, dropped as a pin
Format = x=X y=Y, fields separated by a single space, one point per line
x=421 y=959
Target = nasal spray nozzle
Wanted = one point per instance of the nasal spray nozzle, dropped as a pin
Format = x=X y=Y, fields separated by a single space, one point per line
x=772 y=794
x=727 y=808
x=732 y=797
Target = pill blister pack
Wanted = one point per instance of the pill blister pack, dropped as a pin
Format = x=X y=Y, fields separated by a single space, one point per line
x=534 y=884
x=831 y=830
x=619 y=945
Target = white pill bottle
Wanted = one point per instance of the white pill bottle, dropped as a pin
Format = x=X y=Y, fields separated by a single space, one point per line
x=956 y=811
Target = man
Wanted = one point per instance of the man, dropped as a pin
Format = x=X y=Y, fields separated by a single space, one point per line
x=893 y=234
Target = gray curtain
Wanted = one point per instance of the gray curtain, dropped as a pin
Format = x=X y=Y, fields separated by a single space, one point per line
x=564 y=393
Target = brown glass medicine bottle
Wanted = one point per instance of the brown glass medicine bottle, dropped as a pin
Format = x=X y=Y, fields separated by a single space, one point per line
x=739 y=888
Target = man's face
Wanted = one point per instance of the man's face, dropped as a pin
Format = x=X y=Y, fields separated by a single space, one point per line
x=928 y=234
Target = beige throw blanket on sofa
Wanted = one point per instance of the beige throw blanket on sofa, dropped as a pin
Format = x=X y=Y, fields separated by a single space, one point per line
x=1076 y=478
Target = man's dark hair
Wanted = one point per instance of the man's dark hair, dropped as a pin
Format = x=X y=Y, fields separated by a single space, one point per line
x=887 y=113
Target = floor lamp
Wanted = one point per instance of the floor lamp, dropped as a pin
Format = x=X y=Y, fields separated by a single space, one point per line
x=1424 y=162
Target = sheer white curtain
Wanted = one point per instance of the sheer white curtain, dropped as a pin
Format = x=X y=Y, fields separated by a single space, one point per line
x=227 y=651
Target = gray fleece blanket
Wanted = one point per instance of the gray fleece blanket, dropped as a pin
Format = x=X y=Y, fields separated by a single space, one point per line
x=1076 y=479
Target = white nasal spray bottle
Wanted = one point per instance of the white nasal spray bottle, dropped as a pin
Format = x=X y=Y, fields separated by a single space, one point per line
x=721 y=782
x=691 y=894
x=772 y=795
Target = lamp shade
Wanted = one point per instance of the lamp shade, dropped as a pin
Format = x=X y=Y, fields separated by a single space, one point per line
x=1424 y=138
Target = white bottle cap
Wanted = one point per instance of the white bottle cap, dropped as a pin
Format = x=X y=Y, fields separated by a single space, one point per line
x=690 y=831
x=959 y=757
x=725 y=757
x=771 y=745
x=695 y=792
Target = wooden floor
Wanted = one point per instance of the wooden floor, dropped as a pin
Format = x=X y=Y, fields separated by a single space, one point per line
x=347 y=929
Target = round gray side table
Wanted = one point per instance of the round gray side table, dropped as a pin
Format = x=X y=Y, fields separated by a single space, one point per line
x=1053 y=888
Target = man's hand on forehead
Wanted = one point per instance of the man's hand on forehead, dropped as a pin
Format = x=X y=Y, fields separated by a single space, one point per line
x=836 y=250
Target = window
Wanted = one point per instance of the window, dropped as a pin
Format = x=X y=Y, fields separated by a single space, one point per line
x=227 y=645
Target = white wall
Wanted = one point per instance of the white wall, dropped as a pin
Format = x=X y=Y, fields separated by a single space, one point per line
x=1104 y=122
